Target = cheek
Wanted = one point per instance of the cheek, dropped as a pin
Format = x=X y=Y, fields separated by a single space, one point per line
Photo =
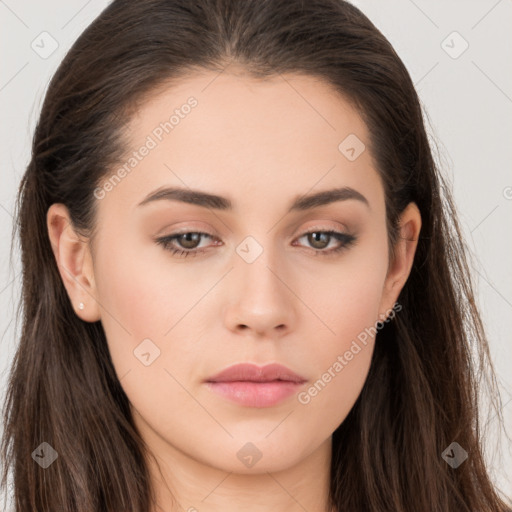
x=341 y=361
x=349 y=296
x=142 y=311
x=348 y=303
x=143 y=292
x=138 y=302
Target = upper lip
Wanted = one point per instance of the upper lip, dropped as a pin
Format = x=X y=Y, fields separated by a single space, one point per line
x=252 y=373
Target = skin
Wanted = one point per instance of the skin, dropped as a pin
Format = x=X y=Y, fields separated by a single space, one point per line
x=261 y=144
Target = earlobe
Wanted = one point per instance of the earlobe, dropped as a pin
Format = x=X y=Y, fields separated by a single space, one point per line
x=405 y=249
x=74 y=262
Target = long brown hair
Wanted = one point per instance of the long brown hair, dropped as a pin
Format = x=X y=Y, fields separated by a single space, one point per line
x=422 y=390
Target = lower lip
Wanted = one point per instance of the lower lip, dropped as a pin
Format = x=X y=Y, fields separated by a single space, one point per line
x=255 y=394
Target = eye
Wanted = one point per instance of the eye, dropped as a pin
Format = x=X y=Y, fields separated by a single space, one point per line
x=321 y=239
x=189 y=242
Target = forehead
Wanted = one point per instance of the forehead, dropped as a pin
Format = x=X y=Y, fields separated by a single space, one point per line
x=230 y=100
x=234 y=135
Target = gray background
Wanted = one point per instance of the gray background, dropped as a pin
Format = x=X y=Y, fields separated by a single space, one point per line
x=466 y=95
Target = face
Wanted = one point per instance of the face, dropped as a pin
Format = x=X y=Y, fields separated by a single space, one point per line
x=185 y=288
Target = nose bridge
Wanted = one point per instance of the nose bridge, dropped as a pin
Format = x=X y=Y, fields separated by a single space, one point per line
x=261 y=301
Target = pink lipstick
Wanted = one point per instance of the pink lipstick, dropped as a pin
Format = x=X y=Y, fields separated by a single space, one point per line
x=254 y=386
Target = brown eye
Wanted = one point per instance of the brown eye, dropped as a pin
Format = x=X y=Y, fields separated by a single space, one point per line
x=183 y=244
x=320 y=240
x=315 y=238
x=189 y=240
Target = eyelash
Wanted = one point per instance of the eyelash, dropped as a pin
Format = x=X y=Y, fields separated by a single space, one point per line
x=346 y=239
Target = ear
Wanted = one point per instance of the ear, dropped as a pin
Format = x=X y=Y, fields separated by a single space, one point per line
x=74 y=261
x=405 y=249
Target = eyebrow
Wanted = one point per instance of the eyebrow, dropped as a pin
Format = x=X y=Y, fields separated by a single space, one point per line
x=206 y=200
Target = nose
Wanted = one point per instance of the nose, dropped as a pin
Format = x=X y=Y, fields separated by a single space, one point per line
x=262 y=301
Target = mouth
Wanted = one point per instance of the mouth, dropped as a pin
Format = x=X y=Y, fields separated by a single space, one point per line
x=253 y=386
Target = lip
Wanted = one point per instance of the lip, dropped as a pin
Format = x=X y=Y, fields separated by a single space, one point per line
x=256 y=386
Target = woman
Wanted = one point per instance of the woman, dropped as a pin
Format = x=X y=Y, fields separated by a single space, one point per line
x=244 y=285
